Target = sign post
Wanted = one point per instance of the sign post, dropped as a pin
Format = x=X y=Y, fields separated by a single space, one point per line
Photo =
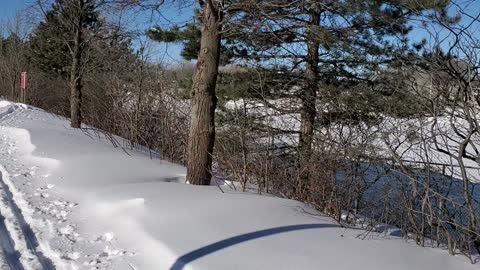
x=23 y=82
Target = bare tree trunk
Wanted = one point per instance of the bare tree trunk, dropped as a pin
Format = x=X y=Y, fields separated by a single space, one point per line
x=308 y=97
x=75 y=73
x=202 y=129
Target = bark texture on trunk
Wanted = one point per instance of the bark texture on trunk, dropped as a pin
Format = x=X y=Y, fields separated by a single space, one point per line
x=75 y=72
x=308 y=98
x=204 y=101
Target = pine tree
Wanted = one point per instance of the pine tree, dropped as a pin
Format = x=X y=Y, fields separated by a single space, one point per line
x=204 y=101
x=189 y=35
x=49 y=51
x=59 y=44
x=329 y=41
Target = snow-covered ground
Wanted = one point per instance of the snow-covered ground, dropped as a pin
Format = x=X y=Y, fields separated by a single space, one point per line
x=70 y=200
x=414 y=140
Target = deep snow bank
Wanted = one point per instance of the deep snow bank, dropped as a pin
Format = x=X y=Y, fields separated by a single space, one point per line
x=96 y=206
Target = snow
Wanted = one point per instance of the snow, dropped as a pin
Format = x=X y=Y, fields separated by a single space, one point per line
x=93 y=206
x=393 y=131
x=425 y=150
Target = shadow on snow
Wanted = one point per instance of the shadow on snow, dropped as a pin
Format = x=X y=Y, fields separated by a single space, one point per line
x=222 y=244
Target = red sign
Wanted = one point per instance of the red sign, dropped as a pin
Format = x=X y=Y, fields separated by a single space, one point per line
x=23 y=80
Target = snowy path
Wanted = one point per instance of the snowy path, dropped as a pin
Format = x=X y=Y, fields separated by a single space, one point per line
x=27 y=234
x=9 y=240
x=10 y=255
x=37 y=234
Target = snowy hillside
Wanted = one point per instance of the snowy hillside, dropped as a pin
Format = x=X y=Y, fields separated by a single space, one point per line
x=70 y=200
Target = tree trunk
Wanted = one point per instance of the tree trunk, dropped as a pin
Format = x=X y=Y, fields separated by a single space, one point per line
x=308 y=98
x=204 y=101
x=75 y=72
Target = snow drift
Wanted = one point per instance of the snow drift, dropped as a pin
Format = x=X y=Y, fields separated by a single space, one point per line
x=91 y=205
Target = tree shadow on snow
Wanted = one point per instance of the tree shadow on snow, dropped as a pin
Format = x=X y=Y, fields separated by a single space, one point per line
x=222 y=244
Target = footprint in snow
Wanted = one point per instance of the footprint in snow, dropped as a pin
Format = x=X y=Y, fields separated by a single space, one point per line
x=106 y=237
x=70 y=233
x=72 y=256
x=28 y=174
x=64 y=204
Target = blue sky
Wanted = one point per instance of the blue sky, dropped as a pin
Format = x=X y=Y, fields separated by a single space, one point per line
x=171 y=52
x=10 y=7
x=142 y=20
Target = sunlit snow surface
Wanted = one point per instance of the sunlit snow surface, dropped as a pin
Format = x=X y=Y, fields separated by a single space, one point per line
x=93 y=206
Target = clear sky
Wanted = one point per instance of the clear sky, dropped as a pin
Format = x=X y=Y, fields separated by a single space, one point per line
x=171 y=52
x=8 y=8
x=168 y=53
